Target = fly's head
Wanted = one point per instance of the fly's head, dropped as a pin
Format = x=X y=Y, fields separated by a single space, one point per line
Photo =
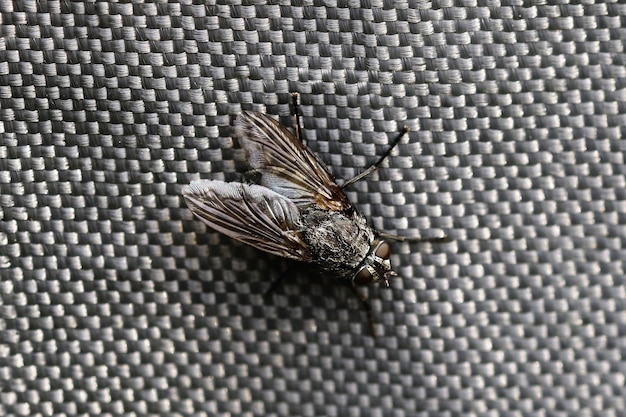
x=376 y=266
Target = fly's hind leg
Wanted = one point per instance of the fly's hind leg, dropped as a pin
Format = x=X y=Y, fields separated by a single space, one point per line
x=288 y=270
x=270 y=290
x=296 y=115
x=372 y=168
x=280 y=279
x=376 y=164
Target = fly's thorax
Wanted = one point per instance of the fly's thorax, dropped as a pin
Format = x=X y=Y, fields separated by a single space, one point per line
x=339 y=241
x=376 y=266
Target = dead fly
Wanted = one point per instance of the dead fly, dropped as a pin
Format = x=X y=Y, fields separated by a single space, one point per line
x=296 y=209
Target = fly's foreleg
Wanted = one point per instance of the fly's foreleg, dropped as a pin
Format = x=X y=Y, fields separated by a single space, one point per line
x=366 y=307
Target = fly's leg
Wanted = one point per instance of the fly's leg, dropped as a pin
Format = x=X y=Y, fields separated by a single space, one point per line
x=372 y=168
x=296 y=115
x=366 y=307
x=362 y=298
x=286 y=272
x=376 y=164
x=398 y=238
x=274 y=285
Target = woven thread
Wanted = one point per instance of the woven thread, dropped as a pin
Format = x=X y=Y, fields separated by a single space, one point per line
x=116 y=301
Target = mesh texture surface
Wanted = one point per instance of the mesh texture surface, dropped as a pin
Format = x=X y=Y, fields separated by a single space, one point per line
x=115 y=301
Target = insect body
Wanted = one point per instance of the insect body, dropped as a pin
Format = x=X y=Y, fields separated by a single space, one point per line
x=296 y=210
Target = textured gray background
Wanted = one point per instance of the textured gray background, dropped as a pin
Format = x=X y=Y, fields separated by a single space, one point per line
x=115 y=301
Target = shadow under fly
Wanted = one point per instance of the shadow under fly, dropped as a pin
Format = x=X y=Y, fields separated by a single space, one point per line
x=295 y=209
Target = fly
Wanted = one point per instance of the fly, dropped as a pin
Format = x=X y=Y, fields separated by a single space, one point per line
x=295 y=209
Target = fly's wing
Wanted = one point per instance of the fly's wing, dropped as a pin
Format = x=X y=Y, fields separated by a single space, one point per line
x=249 y=213
x=286 y=165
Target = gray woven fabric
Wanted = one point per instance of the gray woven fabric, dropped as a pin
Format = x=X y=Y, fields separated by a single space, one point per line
x=116 y=301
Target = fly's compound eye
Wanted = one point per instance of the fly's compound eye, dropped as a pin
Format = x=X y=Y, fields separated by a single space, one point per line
x=376 y=266
x=364 y=276
x=383 y=250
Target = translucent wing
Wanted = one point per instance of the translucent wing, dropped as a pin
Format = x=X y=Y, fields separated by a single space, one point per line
x=249 y=213
x=286 y=165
